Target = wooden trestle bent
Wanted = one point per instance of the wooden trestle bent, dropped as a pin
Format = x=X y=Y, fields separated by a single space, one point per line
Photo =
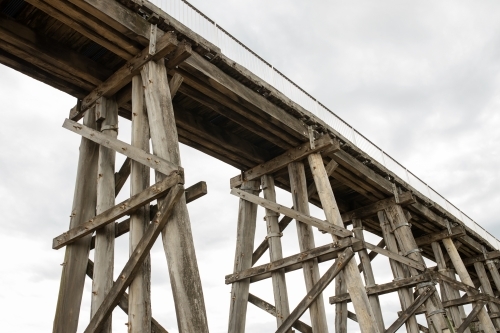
x=130 y=58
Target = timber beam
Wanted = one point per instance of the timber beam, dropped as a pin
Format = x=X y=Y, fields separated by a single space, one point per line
x=386 y=288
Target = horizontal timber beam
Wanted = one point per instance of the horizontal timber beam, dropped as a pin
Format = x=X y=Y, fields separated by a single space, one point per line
x=192 y=193
x=121 y=147
x=435 y=237
x=395 y=256
x=124 y=208
x=326 y=252
x=385 y=288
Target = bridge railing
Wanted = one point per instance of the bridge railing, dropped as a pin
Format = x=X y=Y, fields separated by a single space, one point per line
x=191 y=17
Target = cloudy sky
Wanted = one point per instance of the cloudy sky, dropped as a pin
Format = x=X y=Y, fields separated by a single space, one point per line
x=420 y=79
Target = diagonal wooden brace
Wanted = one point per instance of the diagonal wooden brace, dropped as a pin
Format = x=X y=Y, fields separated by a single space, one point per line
x=124 y=208
x=136 y=258
x=121 y=147
x=320 y=224
x=410 y=310
x=472 y=315
x=164 y=45
x=318 y=288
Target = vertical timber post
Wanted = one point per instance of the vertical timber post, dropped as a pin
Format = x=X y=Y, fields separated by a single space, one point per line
x=487 y=289
x=245 y=236
x=447 y=291
x=405 y=294
x=177 y=236
x=139 y=301
x=107 y=110
x=408 y=246
x=352 y=276
x=368 y=273
x=341 y=307
x=77 y=253
x=275 y=252
x=306 y=242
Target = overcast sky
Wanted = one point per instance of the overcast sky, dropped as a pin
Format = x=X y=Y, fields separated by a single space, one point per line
x=420 y=79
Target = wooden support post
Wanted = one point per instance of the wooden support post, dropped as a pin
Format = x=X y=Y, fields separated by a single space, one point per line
x=368 y=273
x=139 y=313
x=405 y=294
x=247 y=219
x=408 y=246
x=75 y=258
x=341 y=312
x=462 y=272
x=107 y=110
x=448 y=293
x=494 y=273
x=487 y=289
x=275 y=252
x=306 y=242
x=352 y=276
x=177 y=236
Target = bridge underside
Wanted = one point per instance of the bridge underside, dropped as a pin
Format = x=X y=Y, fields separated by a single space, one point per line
x=225 y=111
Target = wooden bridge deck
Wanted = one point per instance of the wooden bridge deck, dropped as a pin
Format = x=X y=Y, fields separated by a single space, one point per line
x=221 y=108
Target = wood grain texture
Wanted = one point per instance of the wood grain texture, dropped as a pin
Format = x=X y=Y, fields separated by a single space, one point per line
x=177 y=236
x=76 y=255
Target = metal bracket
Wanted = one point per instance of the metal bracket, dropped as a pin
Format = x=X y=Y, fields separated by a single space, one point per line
x=274 y=234
x=413 y=251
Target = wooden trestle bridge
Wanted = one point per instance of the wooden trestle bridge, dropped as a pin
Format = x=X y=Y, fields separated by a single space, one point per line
x=128 y=59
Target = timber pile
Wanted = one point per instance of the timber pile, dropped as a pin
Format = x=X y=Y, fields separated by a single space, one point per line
x=105 y=53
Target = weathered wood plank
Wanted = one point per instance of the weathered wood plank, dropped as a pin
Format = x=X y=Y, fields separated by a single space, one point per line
x=104 y=255
x=322 y=225
x=124 y=208
x=174 y=84
x=315 y=291
x=280 y=162
x=122 y=175
x=136 y=154
x=245 y=234
x=385 y=288
x=139 y=316
x=75 y=258
x=326 y=252
x=482 y=257
x=275 y=252
x=177 y=237
x=136 y=259
x=310 y=269
x=269 y=308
